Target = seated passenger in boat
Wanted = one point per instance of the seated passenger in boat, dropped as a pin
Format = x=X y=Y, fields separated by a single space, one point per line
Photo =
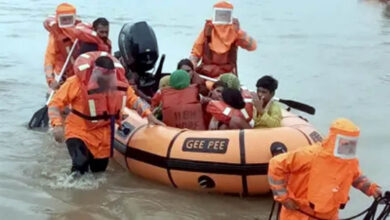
x=156 y=100
x=233 y=82
x=187 y=65
x=181 y=107
x=215 y=94
x=266 y=112
x=216 y=91
x=101 y=28
x=231 y=112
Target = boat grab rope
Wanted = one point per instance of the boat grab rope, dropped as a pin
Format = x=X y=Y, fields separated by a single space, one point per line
x=370 y=211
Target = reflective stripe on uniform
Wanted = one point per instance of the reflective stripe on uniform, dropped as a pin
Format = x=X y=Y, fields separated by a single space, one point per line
x=272 y=181
x=92 y=109
x=245 y=113
x=50 y=75
x=140 y=106
x=245 y=36
x=54 y=112
x=250 y=43
x=84 y=67
x=359 y=181
x=79 y=27
x=118 y=65
x=84 y=55
x=144 y=106
x=227 y=111
x=103 y=54
x=135 y=105
x=94 y=33
x=279 y=192
x=248 y=100
x=124 y=101
x=365 y=187
x=252 y=123
x=49 y=69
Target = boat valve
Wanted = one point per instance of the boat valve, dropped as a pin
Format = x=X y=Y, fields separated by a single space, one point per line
x=206 y=182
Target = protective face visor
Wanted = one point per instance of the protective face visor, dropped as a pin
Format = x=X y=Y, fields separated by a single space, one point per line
x=102 y=80
x=66 y=20
x=223 y=16
x=345 y=147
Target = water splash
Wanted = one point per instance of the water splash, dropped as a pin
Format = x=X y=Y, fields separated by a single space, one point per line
x=64 y=180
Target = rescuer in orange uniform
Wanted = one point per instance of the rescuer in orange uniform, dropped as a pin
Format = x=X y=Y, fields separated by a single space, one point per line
x=59 y=43
x=97 y=94
x=316 y=179
x=216 y=46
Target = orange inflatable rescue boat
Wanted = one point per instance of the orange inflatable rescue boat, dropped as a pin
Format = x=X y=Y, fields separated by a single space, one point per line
x=224 y=161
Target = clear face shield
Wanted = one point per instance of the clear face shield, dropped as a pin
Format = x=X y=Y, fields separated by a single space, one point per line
x=104 y=80
x=223 y=16
x=345 y=147
x=66 y=20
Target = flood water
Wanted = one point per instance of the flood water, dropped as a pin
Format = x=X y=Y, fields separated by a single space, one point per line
x=331 y=54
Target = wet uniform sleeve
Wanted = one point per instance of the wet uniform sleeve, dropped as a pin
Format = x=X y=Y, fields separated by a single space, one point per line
x=136 y=103
x=60 y=100
x=362 y=183
x=197 y=48
x=271 y=119
x=50 y=59
x=281 y=166
x=245 y=41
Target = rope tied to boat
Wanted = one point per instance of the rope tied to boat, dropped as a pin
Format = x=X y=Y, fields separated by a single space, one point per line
x=370 y=212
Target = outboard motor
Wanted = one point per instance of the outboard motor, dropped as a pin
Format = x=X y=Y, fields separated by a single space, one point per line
x=139 y=51
x=138 y=46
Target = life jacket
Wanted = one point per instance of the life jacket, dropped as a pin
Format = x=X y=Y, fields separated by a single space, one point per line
x=182 y=109
x=63 y=45
x=86 y=34
x=246 y=94
x=100 y=107
x=213 y=64
x=222 y=112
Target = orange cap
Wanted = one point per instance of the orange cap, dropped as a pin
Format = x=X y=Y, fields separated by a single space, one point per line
x=345 y=127
x=65 y=8
x=223 y=4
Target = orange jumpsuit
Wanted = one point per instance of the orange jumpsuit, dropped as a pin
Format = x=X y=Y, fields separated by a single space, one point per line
x=315 y=179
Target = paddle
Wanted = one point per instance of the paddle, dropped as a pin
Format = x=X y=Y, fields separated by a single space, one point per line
x=40 y=118
x=297 y=105
x=293 y=104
